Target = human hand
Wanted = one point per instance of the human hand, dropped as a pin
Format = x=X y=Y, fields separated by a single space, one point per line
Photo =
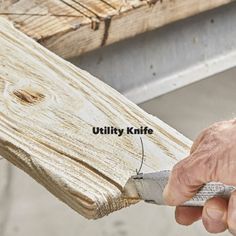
x=212 y=158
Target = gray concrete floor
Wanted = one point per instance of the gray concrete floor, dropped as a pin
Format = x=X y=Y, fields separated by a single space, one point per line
x=34 y=211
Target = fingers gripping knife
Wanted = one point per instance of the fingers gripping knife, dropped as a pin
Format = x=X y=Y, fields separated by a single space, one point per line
x=150 y=187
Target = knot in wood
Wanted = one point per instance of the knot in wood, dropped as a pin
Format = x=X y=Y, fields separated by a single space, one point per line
x=28 y=96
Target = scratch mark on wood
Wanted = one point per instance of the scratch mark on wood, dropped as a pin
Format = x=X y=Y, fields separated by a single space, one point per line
x=107 y=23
x=74 y=8
x=34 y=14
x=109 y=4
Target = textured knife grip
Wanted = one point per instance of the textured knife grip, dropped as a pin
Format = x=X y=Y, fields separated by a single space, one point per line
x=151 y=186
x=210 y=190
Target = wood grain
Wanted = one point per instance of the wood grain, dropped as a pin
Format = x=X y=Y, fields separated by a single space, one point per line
x=48 y=108
x=72 y=27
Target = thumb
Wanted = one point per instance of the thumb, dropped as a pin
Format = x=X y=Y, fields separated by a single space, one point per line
x=186 y=178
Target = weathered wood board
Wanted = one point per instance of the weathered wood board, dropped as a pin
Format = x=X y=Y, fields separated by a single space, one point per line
x=48 y=108
x=72 y=27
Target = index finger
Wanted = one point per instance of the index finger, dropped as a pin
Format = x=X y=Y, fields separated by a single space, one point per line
x=186 y=178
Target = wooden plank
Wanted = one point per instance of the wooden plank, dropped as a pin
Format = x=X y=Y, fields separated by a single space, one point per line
x=72 y=27
x=48 y=108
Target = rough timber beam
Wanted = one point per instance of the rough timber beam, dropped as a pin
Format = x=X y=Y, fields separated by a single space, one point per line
x=72 y=27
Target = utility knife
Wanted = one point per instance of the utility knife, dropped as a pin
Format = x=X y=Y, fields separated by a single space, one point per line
x=149 y=187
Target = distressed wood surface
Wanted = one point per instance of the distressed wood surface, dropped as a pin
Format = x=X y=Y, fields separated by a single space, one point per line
x=72 y=27
x=48 y=108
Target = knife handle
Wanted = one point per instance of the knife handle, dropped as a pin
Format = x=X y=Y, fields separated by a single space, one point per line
x=210 y=190
x=151 y=186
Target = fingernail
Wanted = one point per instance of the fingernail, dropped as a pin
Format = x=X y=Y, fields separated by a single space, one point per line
x=215 y=214
x=233 y=212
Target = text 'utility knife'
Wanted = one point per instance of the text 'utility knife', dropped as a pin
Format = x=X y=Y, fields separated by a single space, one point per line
x=150 y=187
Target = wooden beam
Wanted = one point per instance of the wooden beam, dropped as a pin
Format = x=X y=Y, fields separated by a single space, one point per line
x=72 y=27
x=48 y=108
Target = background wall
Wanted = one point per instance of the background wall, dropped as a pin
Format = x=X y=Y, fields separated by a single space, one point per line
x=162 y=60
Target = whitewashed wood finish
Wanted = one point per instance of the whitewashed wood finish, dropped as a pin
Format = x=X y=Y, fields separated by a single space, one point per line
x=72 y=27
x=47 y=110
